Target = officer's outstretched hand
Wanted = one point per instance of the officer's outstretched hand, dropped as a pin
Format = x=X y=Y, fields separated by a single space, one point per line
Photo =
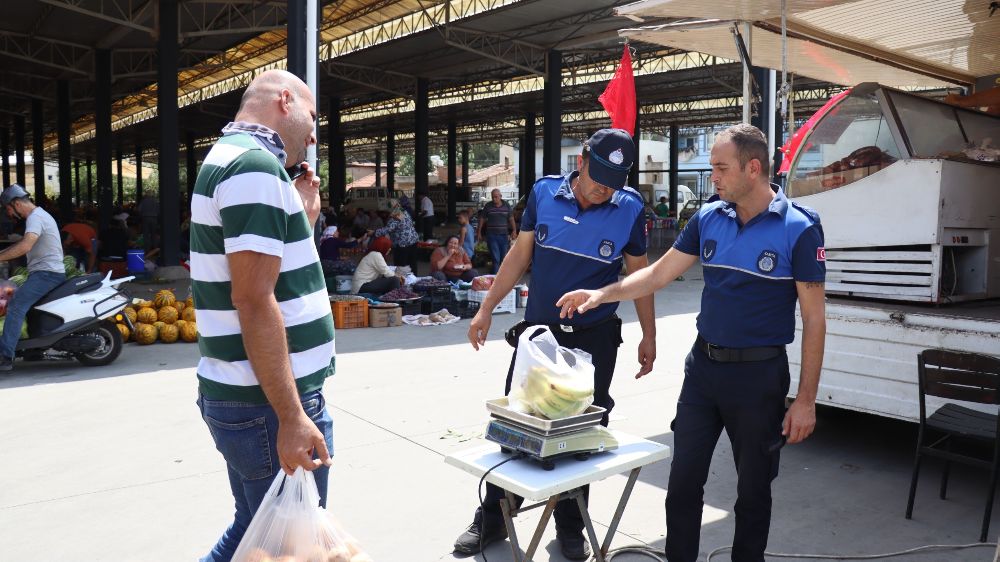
x=479 y=328
x=580 y=301
x=800 y=421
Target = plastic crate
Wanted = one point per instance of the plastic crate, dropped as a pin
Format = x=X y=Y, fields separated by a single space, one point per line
x=349 y=311
x=465 y=309
x=436 y=300
x=508 y=304
x=410 y=307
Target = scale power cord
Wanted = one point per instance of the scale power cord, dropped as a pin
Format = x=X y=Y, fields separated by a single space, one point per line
x=654 y=554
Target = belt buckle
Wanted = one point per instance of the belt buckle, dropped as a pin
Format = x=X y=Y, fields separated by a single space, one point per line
x=566 y=328
x=712 y=348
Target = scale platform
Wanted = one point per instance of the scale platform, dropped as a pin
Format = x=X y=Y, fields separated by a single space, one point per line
x=546 y=440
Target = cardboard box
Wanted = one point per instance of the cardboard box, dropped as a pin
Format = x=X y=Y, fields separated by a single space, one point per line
x=385 y=317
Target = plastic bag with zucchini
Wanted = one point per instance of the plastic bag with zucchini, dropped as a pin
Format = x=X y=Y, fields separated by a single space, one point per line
x=290 y=526
x=550 y=380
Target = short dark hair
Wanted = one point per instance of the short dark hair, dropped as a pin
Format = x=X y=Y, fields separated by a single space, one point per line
x=751 y=144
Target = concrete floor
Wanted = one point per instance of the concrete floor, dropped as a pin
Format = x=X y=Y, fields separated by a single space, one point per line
x=114 y=464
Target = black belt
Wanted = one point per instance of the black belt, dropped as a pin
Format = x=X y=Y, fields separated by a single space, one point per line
x=516 y=330
x=738 y=354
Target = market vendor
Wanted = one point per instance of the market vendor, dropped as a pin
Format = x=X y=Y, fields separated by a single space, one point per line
x=373 y=274
x=451 y=263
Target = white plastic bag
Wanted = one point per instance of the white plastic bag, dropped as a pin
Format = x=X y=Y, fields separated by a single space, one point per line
x=290 y=526
x=550 y=380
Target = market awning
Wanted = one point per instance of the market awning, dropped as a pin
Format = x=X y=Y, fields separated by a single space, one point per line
x=914 y=43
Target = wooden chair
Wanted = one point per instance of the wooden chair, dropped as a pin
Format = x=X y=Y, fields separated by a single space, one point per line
x=967 y=377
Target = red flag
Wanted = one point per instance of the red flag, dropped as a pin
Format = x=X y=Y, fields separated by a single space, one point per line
x=618 y=98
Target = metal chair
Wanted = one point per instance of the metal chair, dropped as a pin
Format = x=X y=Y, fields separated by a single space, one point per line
x=967 y=377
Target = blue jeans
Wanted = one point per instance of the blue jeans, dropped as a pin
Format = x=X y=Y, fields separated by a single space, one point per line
x=39 y=284
x=246 y=435
x=498 y=244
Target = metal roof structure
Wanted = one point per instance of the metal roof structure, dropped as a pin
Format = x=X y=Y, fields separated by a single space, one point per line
x=484 y=60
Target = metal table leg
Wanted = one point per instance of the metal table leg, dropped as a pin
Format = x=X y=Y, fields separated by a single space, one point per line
x=550 y=506
x=506 y=505
x=613 y=527
x=589 y=525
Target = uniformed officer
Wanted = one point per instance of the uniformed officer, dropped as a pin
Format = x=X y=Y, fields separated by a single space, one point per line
x=759 y=253
x=577 y=231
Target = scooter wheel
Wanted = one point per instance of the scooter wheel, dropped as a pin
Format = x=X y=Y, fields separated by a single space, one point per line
x=110 y=349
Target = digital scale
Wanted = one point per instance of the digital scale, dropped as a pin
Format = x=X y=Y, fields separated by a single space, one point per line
x=546 y=440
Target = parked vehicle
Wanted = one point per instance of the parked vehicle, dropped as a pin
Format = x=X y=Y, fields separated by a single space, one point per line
x=77 y=320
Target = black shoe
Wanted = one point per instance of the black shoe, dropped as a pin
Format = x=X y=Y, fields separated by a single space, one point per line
x=476 y=538
x=574 y=547
x=6 y=364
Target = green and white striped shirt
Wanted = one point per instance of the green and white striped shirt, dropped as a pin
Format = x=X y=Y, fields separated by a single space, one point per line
x=243 y=201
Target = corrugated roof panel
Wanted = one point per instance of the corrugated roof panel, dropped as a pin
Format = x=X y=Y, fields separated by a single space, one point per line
x=749 y=10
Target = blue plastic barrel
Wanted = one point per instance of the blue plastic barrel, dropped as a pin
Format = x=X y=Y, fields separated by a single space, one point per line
x=135 y=260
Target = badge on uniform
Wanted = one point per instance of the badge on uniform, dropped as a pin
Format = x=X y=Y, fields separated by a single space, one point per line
x=767 y=261
x=606 y=248
x=617 y=157
x=542 y=232
x=708 y=250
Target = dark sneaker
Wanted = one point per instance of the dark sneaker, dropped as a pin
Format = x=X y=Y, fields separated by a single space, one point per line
x=6 y=364
x=574 y=547
x=477 y=537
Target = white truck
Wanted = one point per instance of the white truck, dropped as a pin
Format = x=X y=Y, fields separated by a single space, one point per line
x=912 y=230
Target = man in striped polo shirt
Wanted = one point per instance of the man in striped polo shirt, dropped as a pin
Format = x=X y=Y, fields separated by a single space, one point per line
x=266 y=332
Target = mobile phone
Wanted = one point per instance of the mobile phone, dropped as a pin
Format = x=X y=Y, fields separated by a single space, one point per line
x=295 y=171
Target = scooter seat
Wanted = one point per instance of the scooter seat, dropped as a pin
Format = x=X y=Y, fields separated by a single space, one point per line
x=73 y=286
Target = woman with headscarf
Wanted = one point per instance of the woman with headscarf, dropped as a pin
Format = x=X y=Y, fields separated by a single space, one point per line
x=373 y=275
x=404 y=237
x=451 y=263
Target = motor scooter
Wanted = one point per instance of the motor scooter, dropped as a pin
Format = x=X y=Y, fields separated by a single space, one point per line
x=77 y=320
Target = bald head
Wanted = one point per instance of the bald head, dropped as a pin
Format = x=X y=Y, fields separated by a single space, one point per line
x=282 y=102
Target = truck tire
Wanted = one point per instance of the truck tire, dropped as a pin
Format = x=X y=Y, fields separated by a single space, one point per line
x=109 y=351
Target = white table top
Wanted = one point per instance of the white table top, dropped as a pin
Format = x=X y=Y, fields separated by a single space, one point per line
x=527 y=478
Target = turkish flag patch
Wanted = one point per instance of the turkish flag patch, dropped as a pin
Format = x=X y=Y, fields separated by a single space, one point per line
x=821 y=254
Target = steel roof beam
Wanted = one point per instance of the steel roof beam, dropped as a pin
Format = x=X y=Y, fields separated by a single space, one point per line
x=396 y=83
x=54 y=54
x=127 y=13
x=232 y=18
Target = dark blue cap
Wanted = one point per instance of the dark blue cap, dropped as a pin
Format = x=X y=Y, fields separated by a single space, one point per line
x=611 y=155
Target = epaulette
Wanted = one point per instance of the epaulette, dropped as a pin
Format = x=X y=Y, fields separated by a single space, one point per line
x=808 y=211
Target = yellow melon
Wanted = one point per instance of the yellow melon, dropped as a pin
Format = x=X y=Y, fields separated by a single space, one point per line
x=189 y=332
x=169 y=333
x=143 y=304
x=130 y=313
x=180 y=306
x=159 y=325
x=125 y=332
x=188 y=314
x=189 y=302
x=145 y=334
x=146 y=315
x=164 y=298
x=167 y=314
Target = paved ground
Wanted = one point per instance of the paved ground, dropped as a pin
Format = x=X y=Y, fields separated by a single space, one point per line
x=115 y=464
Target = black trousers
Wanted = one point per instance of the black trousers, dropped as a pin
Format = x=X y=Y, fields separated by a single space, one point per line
x=405 y=256
x=380 y=286
x=747 y=399
x=602 y=343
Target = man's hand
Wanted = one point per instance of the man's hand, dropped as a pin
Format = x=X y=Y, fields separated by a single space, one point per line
x=647 y=354
x=308 y=187
x=800 y=421
x=479 y=328
x=298 y=439
x=580 y=301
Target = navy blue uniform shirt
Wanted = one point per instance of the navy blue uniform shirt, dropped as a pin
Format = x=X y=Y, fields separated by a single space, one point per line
x=750 y=270
x=577 y=248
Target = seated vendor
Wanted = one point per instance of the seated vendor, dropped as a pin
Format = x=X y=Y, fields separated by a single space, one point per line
x=373 y=274
x=329 y=248
x=451 y=263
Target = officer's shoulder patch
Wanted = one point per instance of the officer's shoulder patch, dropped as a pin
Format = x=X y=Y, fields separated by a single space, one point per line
x=553 y=176
x=628 y=189
x=807 y=211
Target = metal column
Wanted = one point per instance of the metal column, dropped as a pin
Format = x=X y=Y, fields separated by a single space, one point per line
x=633 y=173
x=38 y=149
x=420 y=132
x=338 y=162
x=121 y=181
x=378 y=169
x=552 y=127
x=191 y=170
x=102 y=125
x=65 y=151
x=296 y=29
x=76 y=178
x=452 y=171
x=674 y=152
x=19 y=150
x=138 y=173
x=5 y=153
x=390 y=162
x=528 y=155
x=166 y=103
x=466 y=196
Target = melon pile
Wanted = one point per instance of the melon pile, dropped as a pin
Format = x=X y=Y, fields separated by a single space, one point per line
x=164 y=318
